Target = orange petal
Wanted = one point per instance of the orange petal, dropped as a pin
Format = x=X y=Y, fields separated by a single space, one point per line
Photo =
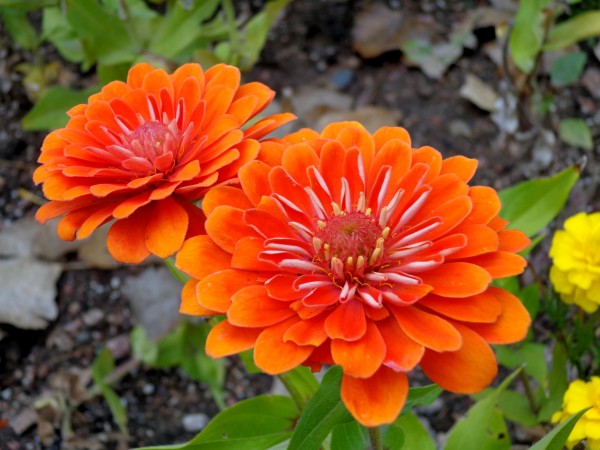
x=377 y=400
x=224 y=195
x=281 y=287
x=245 y=255
x=480 y=308
x=360 y=358
x=215 y=290
x=500 y=264
x=402 y=353
x=457 y=279
x=252 y=307
x=511 y=326
x=308 y=332
x=274 y=355
x=265 y=126
x=431 y=157
x=189 y=303
x=126 y=238
x=267 y=225
x=465 y=371
x=132 y=204
x=296 y=159
x=460 y=165
x=135 y=76
x=166 y=227
x=200 y=256
x=513 y=240
x=385 y=134
x=486 y=204
x=427 y=329
x=480 y=239
x=225 y=339
x=225 y=225
x=347 y=321
x=254 y=178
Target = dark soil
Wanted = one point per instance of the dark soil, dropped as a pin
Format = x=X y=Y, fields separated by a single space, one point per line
x=311 y=44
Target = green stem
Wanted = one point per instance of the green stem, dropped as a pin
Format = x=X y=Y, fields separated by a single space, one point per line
x=301 y=384
x=529 y=392
x=375 y=436
x=234 y=37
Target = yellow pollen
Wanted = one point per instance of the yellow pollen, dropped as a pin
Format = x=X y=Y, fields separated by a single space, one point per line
x=368 y=212
x=320 y=224
x=336 y=208
x=385 y=233
x=326 y=251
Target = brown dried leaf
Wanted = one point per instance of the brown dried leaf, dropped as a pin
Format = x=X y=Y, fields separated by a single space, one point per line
x=479 y=93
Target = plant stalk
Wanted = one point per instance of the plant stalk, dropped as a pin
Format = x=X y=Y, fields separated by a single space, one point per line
x=375 y=437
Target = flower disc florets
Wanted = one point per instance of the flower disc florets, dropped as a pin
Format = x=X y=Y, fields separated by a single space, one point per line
x=358 y=250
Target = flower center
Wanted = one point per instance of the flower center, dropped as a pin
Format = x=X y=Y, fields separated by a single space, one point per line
x=152 y=140
x=349 y=235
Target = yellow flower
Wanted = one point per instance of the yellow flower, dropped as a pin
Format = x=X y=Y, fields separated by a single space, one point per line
x=575 y=252
x=581 y=395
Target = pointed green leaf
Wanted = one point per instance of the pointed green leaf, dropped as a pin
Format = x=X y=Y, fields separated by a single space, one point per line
x=322 y=413
x=576 y=132
x=424 y=395
x=349 y=435
x=567 y=69
x=414 y=434
x=142 y=346
x=255 y=424
x=51 y=111
x=531 y=205
x=578 y=28
x=90 y=21
x=555 y=440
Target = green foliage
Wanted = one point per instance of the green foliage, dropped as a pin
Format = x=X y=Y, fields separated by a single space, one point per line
x=484 y=427
x=104 y=365
x=527 y=35
x=420 y=396
x=576 y=132
x=322 y=413
x=567 y=69
x=254 y=424
x=531 y=205
x=193 y=30
x=407 y=432
x=183 y=347
x=49 y=112
x=575 y=29
x=555 y=440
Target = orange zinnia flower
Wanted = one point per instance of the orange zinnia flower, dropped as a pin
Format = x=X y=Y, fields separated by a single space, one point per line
x=358 y=250
x=142 y=151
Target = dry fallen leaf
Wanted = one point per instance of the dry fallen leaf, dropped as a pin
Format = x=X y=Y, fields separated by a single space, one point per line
x=378 y=29
x=479 y=93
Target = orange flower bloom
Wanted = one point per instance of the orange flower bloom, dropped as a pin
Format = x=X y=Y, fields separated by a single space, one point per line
x=358 y=250
x=142 y=151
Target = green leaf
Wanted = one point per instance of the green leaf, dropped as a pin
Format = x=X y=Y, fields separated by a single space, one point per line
x=530 y=297
x=106 y=74
x=424 y=395
x=20 y=29
x=516 y=408
x=256 y=32
x=143 y=347
x=557 y=383
x=301 y=384
x=530 y=355
x=527 y=35
x=103 y=365
x=50 y=112
x=415 y=435
x=555 y=440
x=531 y=205
x=349 y=435
x=484 y=427
x=57 y=29
x=578 y=28
x=567 y=69
x=322 y=413
x=254 y=424
x=90 y=21
x=180 y=27
x=28 y=5
x=576 y=132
